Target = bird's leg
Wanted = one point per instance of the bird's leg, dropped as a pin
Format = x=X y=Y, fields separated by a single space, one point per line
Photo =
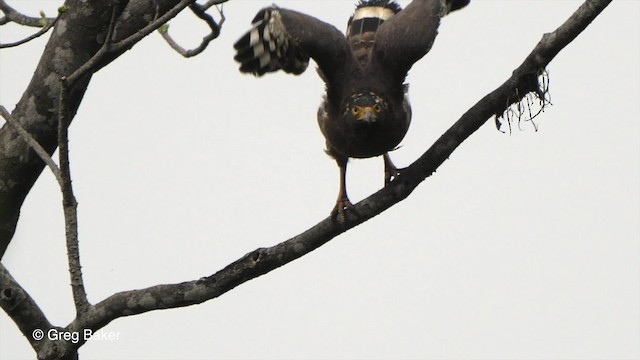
x=342 y=203
x=391 y=172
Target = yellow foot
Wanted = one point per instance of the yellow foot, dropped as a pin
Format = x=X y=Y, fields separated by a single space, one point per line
x=391 y=174
x=340 y=210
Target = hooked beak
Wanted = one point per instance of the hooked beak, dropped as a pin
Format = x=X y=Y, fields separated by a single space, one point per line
x=367 y=115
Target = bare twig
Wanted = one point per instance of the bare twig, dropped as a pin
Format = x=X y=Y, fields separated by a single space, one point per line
x=69 y=200
x=70 y=207
x=44 y=30
x=109 y=47
x=214 y=26
x=131 y=27
x=11 y=15
x=70 y=80
x=211 y=3
x=63 y=176
x=153 y=26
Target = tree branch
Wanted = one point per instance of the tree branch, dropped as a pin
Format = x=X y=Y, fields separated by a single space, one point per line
x=211 y=3
x=11 y=15
x=46 y=28
x=214 y=26
x=70 y=207
x=111 y=50
x=524 y=80
x=33 y=144
x=139 y=35
x=63 y=176
x=29 y=318
x=21 y=308
x=263 y=260
x=37 y=109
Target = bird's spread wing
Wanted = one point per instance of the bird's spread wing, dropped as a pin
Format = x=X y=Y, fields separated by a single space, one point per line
x=285 y=39
x=407 y=36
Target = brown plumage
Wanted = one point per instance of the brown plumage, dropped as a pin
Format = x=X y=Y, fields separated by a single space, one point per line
x=365 y=112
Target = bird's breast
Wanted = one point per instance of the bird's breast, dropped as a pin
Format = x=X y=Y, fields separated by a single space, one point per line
x=358 y=139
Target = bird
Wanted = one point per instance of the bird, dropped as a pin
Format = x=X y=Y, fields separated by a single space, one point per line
x=365 y=111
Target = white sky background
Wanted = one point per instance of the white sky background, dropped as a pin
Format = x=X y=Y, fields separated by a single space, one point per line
x=520 y=246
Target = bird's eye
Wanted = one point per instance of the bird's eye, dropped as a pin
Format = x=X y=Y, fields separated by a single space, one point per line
x=377 y=108
x=355 y=110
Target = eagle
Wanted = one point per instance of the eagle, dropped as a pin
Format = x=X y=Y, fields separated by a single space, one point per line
x=365 y=111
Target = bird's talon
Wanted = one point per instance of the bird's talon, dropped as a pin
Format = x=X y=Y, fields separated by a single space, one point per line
x=391 y=174
x=340 y=210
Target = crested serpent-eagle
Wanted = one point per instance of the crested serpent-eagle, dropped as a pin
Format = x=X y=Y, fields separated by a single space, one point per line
x=365 y=111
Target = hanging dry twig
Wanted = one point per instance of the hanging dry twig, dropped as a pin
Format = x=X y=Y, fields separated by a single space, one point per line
x=199 y=11
x=523 y=110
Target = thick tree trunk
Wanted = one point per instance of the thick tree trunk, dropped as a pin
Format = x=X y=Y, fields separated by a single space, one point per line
x=76 y=37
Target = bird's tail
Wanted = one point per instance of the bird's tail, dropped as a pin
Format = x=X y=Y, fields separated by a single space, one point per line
x=369 y=15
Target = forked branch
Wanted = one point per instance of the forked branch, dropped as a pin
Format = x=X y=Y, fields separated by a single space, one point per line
x=42 y=153
x=62 y=174
x=11 y=15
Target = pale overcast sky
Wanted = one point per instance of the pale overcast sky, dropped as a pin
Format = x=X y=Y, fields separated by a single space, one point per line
x=521 y=245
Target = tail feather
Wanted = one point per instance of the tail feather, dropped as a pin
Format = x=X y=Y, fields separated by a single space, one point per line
x=369 y=15
x=364 y=23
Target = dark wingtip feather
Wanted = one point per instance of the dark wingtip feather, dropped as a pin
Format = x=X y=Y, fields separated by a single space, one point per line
x=267 y=49
x=244 y=55
x=243 y=42
x=252 y=67
x=459 y=4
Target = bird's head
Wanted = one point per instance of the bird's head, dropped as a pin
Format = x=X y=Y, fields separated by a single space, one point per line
x=365 y=107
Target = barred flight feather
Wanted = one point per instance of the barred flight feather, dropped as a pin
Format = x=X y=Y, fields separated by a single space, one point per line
x=267 y=47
